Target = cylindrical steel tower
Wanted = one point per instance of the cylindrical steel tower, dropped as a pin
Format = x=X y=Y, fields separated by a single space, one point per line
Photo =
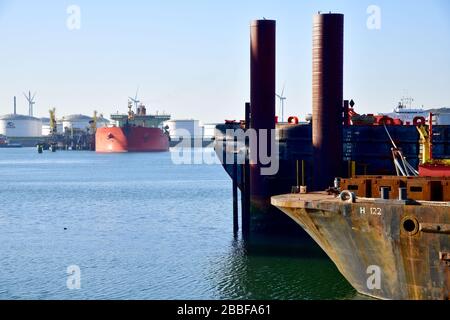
x=263 y=69
x=263 y=52
x=328 y=78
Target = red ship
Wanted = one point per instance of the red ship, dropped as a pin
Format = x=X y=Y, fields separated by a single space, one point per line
x=134 y=132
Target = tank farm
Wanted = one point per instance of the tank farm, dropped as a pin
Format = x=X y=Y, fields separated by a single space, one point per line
x=309 y=154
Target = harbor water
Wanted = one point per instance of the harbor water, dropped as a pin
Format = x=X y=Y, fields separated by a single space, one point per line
x=140 y=227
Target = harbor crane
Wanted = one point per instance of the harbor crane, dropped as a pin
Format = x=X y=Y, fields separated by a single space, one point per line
x=53 y=124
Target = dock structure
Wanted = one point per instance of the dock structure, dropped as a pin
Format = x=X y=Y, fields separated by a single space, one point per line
x=256 y=188
x=306 y=149
x=74 y=141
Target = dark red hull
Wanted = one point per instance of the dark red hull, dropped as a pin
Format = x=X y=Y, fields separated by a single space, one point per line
x=434 y=170
x=131 y=139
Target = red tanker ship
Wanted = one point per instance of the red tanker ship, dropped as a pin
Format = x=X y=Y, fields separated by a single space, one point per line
x=135 y=132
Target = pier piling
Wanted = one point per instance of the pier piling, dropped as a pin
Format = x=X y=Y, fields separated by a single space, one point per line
x=262 y=105
x=328 y=101
x=235 y=191
x=246 y=189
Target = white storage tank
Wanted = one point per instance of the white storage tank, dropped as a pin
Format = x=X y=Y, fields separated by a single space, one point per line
x=76 y=122
x=184 y=129
x=46 y=127
x=20 y=126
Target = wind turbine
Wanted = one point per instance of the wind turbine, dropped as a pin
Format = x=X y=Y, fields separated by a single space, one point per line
x=135 y=100
x=31 y=102
x=282 y=100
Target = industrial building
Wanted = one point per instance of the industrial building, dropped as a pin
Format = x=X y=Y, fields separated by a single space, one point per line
x=20 y=126
x=46 y=130
x=190 y=133
x=194 y=129
x=179 y=129
x=77 y=122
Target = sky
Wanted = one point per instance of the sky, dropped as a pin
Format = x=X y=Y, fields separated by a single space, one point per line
x=191 y=59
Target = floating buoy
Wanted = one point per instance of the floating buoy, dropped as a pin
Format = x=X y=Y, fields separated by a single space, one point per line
x=386 y=120
x=40 y=148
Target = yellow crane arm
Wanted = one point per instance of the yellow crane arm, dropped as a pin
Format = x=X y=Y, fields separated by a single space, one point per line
x=425 y=143
x=53 y=127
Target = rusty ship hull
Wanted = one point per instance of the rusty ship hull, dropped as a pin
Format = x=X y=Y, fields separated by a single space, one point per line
x=408 y=241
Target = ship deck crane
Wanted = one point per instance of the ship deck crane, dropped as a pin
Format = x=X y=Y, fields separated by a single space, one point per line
x=426 y=142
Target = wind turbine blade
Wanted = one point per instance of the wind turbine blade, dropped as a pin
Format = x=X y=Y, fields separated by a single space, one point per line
x=137 y=93
x=34 y=96
x=25 y=95
x=284 y=87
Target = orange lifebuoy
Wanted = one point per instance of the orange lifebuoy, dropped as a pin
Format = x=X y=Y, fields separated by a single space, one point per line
x=418 y=121
x=386 y=120
x=293 y=120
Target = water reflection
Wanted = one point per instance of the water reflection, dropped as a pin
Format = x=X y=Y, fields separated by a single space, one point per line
x=157 y=232
x=278 y=268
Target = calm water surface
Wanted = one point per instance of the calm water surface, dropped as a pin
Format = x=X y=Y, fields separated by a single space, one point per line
x=139 y=227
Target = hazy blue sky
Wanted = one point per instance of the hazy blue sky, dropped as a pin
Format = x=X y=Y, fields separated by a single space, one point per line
x=191 y=57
